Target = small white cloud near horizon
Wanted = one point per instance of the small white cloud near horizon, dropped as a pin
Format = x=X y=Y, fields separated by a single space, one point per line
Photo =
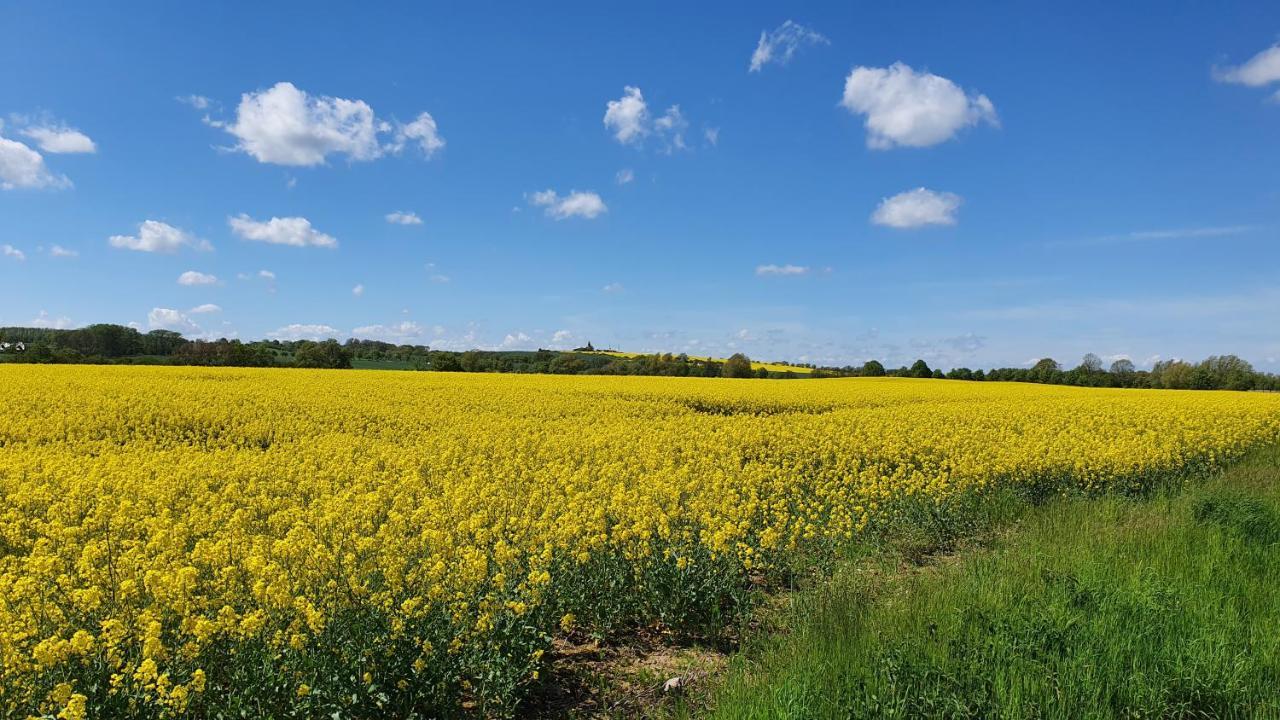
x=780 y=45
x=205 y=309
x=399 y=333
x=515 y=340
x=303 y=331
x=912 y=109
x=44 y=320
x=1259 y=70
x=60 y=139
x=192 y=278
x=403 y=217
x=782 y=270
x=60 y=252
x=587 y=205
x=917 y=208
x=284 y=125
x=12 y=252
x=358 y=290
x=158 y=237
x=174 y=320
x=24 y=168
x=291 y=231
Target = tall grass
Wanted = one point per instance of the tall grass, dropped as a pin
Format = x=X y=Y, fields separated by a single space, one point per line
x=1161 y=606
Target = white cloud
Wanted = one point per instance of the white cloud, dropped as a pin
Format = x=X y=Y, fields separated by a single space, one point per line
x=403 y=217
x=1261 y=69
x=266 y=275
x=434 y=275
x=298 y=331
x=913 y=109
x=60 y=139
x=358 y=290
x=516 y=339
x=712 y=134
x=627 y=116
x=43 y=320
x=198 y=102
x=561 y=336
x=284 y=125
x=61 y=252
x=192 y=278
x=671 y=127
x=292 y=231
x=13 y=252
x=576 y=204
x=624 y=176
x=156 y=236
x=780 y=45
x=917 y=208
x=613 y=287
x=169 y=319
x=204 y=309
x=423 y=132
x=406 y=332
x=763 y=270
x=22 y=167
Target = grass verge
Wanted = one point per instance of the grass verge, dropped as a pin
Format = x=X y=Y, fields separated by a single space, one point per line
x=1166 y=605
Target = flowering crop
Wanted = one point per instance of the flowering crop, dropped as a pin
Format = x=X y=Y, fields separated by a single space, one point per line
x=366 y=543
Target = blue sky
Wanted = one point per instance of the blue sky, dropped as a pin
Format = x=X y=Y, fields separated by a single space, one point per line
x=887 y=181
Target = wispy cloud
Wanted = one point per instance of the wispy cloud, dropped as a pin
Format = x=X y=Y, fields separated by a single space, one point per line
x=1186 y=233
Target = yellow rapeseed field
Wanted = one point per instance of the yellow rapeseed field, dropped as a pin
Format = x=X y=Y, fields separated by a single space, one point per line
x=371 y=543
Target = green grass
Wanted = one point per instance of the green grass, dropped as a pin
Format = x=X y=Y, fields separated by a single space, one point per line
x=1166 y=606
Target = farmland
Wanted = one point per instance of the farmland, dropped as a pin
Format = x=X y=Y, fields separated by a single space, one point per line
x=232 y=542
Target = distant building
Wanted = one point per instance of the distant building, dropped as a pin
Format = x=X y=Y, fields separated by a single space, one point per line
x=13 y=347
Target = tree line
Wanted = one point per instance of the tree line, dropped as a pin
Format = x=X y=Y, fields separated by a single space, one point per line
x=118 y=344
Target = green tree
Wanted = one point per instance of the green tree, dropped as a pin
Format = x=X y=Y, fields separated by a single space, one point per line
x=737 y=366
x=872 y=368
x=920 y=369
x=326 y=354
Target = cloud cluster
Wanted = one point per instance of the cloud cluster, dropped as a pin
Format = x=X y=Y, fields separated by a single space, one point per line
x=10 y=251
x=576 y=204
x=406 y=332
x=192 y=278
x=629 y=120
x=174 y=320
x=22 y=167
x=292 y=231
x=912 y=109
x=60 y=139
x=402 y=217
x=284 y=125
x=1260 y=70
x=158 y=237
x=780 y=45
x=300 y=331
x=917 y=208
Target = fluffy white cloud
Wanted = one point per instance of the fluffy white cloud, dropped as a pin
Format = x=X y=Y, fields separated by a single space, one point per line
x=627 y=116
x=909 y=108
x=192 y=277
x=170 y=319
x=22 y=167
x=1261 y=69
x=358 y=290
x=292 y=231
x=12 y=252
x=402 y=217
x=763 y=270
x=406 y=332
x=575 y=204
x=60 y=139
x=60 y=252
x=284 y=125
x=516 y=339
x=205 y=309
x=780 y=45
x=156 y=236
x=44 y=320
x=562 y=336
x=298 y=331
x=624 y=176
x=423 y=132
x=917 y=208
x=671 y=127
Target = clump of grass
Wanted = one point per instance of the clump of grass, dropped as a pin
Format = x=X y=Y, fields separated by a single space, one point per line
x=1164 y=605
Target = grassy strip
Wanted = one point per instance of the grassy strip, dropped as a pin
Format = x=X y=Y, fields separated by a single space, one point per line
x=1163 y=606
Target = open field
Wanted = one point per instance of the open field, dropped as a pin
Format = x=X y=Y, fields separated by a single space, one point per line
x=1127 y=607
x=359 y=543
x=771 y=367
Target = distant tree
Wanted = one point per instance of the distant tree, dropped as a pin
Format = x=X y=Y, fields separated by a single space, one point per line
x=762 y=372
x=1046 y=370
x=1122 y=368
x=872 y=368
x=937 y=375
x=920 y=369
x=737 y=366
x=1091 y=363
x=326 y=354
x=979 y=375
